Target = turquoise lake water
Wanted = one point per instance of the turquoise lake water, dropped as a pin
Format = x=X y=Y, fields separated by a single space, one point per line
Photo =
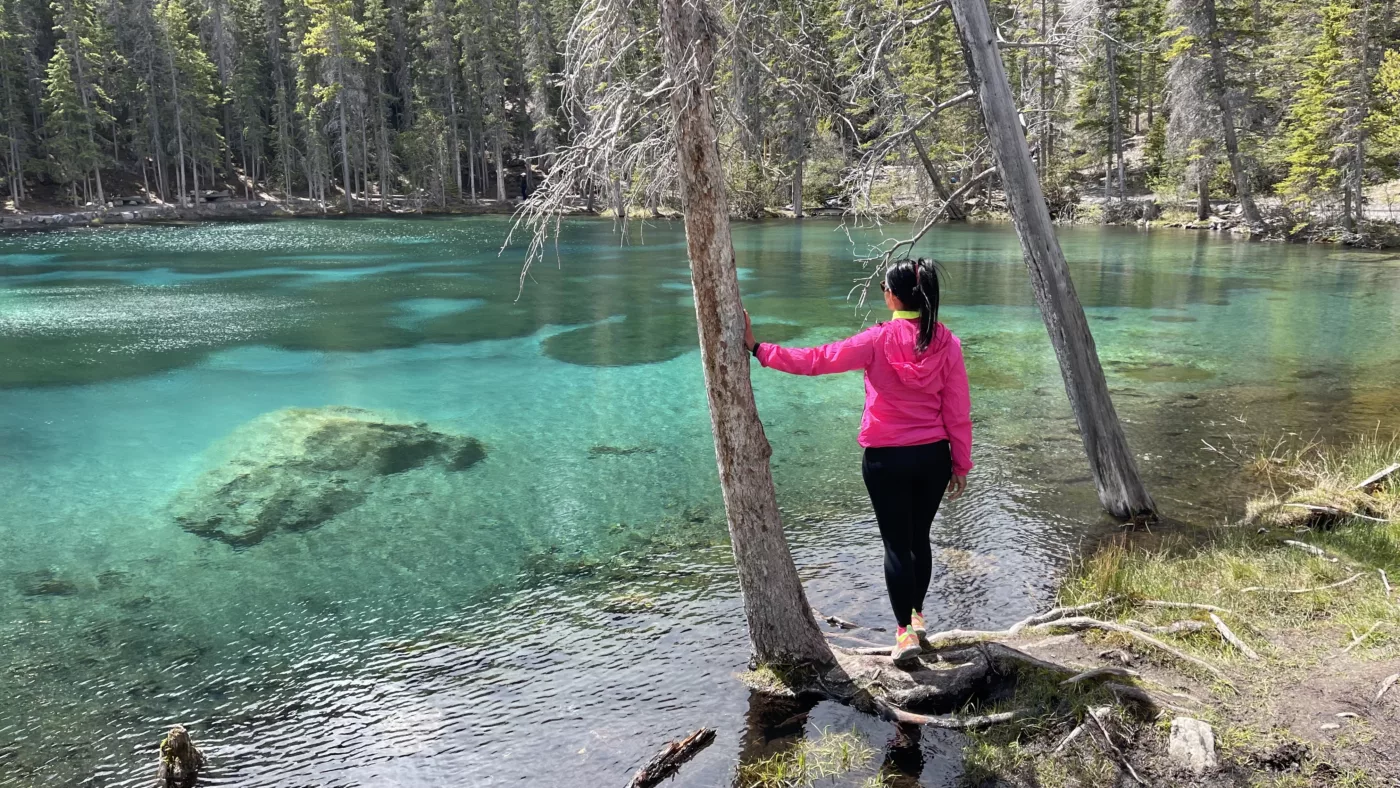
x=387 y=647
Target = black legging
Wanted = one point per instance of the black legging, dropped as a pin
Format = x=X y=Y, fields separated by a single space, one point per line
x=906 y=485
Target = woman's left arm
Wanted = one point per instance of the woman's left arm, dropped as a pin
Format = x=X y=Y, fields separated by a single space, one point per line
x=957 y=418
x=849 y=354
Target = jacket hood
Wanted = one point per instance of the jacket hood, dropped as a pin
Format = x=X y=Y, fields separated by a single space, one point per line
x=923 y=371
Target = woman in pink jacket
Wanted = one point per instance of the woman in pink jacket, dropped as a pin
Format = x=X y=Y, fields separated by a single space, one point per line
x=917 y=428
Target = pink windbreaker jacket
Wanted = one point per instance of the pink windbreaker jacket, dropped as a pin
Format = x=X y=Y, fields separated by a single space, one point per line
x=908 y=401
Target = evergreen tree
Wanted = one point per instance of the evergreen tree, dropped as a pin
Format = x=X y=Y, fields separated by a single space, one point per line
x=334 y=49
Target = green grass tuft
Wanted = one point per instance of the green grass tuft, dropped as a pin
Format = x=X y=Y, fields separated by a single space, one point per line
x=809 y=760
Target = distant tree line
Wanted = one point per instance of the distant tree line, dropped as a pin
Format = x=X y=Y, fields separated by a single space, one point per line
x=857 y=103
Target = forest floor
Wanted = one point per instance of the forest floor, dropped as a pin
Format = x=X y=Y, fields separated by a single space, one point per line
x=1303 y=584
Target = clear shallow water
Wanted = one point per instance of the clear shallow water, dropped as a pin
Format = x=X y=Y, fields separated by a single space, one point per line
x=383 y=647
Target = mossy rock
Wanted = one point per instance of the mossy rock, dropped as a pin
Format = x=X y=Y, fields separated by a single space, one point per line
x=294 y=469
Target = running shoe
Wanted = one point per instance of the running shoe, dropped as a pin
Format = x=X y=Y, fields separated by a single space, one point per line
x=906 y=645
x=917 y=625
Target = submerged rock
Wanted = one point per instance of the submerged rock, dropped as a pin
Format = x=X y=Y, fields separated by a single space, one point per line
x=45 y=582
x=296 y=468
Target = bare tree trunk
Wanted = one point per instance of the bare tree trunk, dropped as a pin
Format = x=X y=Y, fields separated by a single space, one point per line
x=1227 y=120
x=471 y=158
x=797 y=185
x=1115 y=473
x=954 y=210
x=345 y=155
x=1356 y=118
x=1116 y=121
x=781 y=627
x=1203 y=195
x=500 y=167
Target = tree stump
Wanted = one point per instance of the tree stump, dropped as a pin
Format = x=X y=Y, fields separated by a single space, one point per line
x=180 y=760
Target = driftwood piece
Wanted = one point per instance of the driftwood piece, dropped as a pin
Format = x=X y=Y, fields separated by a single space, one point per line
x=1337 y=584
x=1184 y=605
x=1375 y=480
x=1386 y=684
x=1307 y=548
x=180 y=760
x=1232 y=638
x=672 y=756
x=1385 y=581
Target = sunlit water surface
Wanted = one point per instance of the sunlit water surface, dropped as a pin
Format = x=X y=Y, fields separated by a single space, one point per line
x=399 y=644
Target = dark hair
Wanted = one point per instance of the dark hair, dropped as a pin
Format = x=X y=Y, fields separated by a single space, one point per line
x=915 y=284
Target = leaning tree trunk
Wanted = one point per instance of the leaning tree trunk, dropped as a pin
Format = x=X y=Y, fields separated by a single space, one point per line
x=1120 y=488
x=781 y=626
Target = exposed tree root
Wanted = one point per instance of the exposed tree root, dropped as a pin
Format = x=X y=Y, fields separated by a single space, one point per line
x=958 y=666
x=1100 y=673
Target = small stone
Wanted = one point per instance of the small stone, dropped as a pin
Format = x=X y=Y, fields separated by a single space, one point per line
x=1348 y=715
x=1329 y=726
x=1192 y=746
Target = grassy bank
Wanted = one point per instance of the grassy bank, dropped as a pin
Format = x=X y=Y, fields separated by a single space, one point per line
x=1302 y=585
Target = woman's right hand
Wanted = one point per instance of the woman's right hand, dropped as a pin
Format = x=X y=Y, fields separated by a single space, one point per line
x=749 y=341
x=956 y=487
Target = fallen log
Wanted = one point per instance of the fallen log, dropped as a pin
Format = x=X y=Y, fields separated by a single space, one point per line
x=671 y=758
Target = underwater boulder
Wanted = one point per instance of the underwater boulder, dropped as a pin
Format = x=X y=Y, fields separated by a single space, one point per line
x=294 y=469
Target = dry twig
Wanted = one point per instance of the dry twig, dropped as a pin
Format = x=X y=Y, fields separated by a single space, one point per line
x=1232 y=638
x=1338 y=584
x=1122 y=761
x=1357 y=640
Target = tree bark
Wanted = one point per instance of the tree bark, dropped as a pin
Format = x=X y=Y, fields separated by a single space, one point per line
x=1115 y=473
x=781 y=627
x=1116 y=119
x=1227 y=120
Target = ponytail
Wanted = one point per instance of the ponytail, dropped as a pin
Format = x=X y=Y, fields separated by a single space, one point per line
x=915 y=284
